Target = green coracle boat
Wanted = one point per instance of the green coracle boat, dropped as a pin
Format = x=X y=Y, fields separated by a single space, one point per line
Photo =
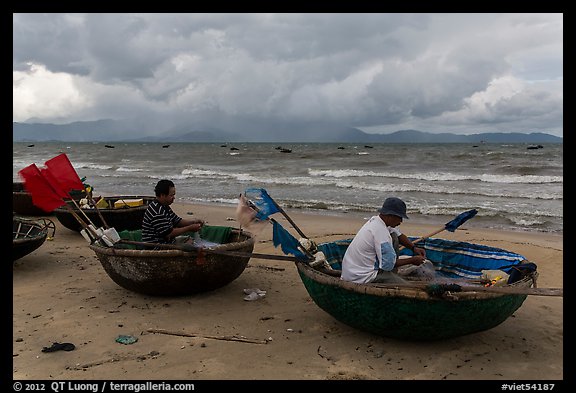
x=424 y=310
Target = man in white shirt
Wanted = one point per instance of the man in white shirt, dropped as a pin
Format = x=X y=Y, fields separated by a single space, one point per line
x=372 y=256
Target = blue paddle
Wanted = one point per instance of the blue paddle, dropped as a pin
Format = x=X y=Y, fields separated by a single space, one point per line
x=452 y=225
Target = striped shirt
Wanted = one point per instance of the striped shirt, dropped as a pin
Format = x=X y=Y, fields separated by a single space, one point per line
x=158 y=222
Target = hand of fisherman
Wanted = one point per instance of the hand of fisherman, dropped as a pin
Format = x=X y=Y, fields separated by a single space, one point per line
x=197 y=226
x=417 y=259
x=419 y=251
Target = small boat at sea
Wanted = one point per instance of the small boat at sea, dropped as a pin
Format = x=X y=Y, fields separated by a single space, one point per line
x=29 y=234
x=123 y=212
x=457 y=303
x=177 y=270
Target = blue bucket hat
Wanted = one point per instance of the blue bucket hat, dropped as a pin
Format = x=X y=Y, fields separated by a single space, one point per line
x=394 y=206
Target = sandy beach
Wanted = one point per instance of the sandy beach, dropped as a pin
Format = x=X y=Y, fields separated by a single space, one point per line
x=61 y=293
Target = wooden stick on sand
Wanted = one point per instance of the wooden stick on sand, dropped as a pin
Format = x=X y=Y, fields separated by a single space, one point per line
x=225 y=338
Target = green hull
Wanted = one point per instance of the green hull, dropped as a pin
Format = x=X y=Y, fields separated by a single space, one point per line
x=410 y=311
x=405 y=317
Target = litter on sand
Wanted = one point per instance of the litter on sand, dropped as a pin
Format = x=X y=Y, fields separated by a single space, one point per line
x=254 y=294
x=122 y=339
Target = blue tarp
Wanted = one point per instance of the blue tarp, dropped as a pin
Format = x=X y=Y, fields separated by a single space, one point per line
x=265 y=204
x=450 y=258
x=289 y=244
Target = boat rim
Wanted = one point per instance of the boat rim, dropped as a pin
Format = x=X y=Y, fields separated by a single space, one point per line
x=390 y=290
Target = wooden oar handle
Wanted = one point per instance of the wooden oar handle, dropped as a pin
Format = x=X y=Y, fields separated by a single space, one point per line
x=429 y=235
x=425 y=237
x=194 y=249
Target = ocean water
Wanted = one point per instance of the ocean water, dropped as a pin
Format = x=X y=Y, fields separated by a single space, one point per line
x=512 y=187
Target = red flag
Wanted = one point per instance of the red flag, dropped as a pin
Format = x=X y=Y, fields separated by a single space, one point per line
x=61 y=168
x=43 y=195
x=54 y=183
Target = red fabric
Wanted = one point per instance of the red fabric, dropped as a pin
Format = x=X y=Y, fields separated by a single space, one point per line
x=43 y=195
x=61 y=168
x=54 y=183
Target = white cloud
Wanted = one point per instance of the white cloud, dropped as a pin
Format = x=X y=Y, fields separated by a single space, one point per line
x=41 y=93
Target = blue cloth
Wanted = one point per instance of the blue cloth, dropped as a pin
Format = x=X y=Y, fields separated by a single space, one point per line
x=467 y=260
x=461 y=219
x=288 y=243
x=451 y=258
x=334 y=252
x=265 y=204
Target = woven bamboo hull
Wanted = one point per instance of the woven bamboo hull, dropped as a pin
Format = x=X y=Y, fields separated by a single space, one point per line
x=27 y=236
x=22 y=202
x=128 y=218
x=175 y=272
x=410 y=313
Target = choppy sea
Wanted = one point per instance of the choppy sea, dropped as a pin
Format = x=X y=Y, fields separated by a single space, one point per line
x=511 y=186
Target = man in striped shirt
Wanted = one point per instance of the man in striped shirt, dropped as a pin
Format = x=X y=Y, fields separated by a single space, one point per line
x=160 y=223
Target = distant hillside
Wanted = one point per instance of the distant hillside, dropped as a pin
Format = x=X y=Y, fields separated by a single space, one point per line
x=413 y=136
x=118 y=131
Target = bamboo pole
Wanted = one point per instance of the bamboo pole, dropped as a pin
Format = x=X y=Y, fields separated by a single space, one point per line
x=194 y=249
x=270 y=219
x=97 y=210
x=225 y=338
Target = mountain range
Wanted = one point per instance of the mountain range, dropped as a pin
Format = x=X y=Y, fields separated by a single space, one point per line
x=120 y=131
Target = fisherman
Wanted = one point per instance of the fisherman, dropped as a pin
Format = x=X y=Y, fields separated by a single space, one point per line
x=372 y=256
x=160 y=224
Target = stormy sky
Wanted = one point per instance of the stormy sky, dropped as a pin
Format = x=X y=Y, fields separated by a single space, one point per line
x=461 y=73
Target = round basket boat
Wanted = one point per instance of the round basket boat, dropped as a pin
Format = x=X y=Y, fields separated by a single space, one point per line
x=29 y=234
x=176 y=272
x=22 y=201
x=413 y=311
x=122 y=218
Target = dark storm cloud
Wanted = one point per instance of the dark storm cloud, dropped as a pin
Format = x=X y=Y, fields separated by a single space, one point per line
x=380 y=72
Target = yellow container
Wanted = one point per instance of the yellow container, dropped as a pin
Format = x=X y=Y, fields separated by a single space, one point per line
x=102 y=204
x=120 y=203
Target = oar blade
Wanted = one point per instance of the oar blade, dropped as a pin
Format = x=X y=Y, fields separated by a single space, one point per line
x=460 y=219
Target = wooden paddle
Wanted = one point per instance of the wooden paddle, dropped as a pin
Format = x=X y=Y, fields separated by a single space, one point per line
x=187 y=247
x=450 y=226
x=253 y=206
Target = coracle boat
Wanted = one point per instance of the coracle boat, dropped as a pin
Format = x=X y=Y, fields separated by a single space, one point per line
x=175 y=272
x=22 y=201
x=454 y=303
x=125 y=216
x=29 y=234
